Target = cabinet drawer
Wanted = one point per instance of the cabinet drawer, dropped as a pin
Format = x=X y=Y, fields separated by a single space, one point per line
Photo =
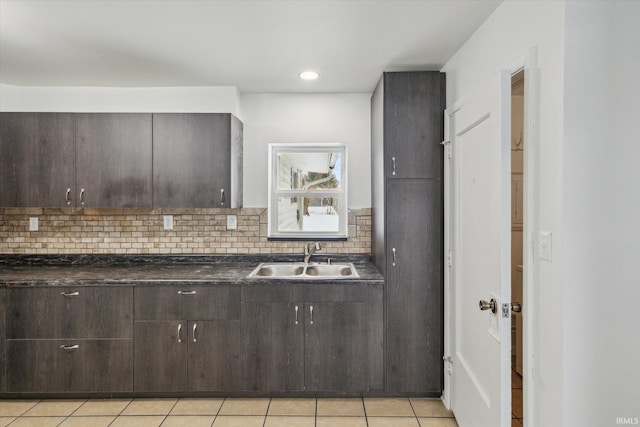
x=69 y=365
x=80 y=312
x=202 y=302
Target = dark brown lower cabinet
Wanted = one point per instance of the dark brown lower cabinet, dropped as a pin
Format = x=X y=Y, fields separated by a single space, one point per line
x=272 y=346
x=309 y=346
x=414 y=290
x=49 y=366
x=336 y=346
x=187 y=355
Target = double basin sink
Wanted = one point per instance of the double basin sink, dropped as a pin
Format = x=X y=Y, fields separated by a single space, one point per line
x=283 y=270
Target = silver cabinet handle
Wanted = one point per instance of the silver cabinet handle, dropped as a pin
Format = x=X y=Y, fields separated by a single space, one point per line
x=179 y=332
x=67 y=196
x=296 y=308
x=195 y=325
x=393 y=166
x=69 y=294
x=393 y=260
x=82 y=197
x=311 y=311
x=222 y=198
x=69 y=347
x=186 y=292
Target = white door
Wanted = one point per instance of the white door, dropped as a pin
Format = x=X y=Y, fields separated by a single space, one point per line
x=481 y=227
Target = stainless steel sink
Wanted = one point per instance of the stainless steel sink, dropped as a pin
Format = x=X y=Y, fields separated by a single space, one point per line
x=330 y=270
x=283 y=270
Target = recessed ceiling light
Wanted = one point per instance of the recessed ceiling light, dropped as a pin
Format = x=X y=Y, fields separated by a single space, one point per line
x=308 y=75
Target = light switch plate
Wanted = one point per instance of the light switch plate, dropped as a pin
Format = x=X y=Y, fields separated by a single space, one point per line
x=33 y=223
x=168 y=222
x=232 y=222
x=545 y=245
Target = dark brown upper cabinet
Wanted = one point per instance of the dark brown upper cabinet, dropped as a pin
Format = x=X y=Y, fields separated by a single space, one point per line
x=413 y=112
x=113 y=160
x=197 y=160
x=37 y=159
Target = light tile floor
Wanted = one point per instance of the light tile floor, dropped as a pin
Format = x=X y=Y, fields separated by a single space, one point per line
x=230 y=412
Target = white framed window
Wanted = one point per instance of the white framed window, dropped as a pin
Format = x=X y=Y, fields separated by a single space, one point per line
x=308 y=191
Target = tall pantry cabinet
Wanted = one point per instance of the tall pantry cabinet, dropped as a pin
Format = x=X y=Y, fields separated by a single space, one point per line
x=407 y=110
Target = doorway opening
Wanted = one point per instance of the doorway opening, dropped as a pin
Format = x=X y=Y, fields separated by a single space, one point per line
x=517 y=248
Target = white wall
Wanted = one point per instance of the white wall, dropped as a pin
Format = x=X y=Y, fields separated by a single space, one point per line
x=601 y=213
x=120 y=99
x=513 y=29
x=307 y=118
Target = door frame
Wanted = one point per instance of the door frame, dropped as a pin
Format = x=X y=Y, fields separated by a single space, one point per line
x=528 y=63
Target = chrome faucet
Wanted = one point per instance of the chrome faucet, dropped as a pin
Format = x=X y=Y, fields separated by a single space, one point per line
x=309 y=249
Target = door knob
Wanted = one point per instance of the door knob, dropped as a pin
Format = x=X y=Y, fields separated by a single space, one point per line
x=516 y=307
x=491 y=305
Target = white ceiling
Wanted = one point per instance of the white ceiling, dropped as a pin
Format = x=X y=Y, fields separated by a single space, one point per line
x=256 y=45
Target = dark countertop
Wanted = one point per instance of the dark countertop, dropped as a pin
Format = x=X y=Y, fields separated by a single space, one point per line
x=150 y=270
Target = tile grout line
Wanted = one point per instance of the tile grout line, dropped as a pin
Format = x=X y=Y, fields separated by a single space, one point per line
x=264 y=422
x=172 y=408
x=364 y=408
x=120 y=413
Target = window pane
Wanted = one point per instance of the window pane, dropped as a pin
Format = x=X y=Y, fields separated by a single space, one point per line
x=309 y=171
x=308 y=214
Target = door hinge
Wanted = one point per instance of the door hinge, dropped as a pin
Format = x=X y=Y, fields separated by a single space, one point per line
x=447 y=146
x=450 y=259
x=506 y=310
x=449 y=361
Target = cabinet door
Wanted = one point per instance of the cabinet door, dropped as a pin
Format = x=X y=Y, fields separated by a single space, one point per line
x=192 y=160
x=113 y=159
x=413 y=124
x=272 y=346
x=160 y=356
x=42 y=366
x=213 y=355
x=74 y=312
x=414 y=286
x=336 y=346
x=187 y=302
x=37 y=159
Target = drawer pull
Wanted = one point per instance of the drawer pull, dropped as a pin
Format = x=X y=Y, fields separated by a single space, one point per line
x=311 y=312
x=179 y=332
x=222 y=198
x=69 y=347
x=296 y=315
x=82 y=197
x=67 y=196
x=69 y=294
x=393 y=166
x=186 y=292
x=195 y=325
